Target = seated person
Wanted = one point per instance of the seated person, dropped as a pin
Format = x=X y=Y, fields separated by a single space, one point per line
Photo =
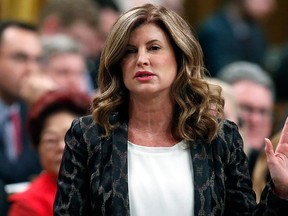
x=231 y=109
x=63 y=67
x=254 y=91
x=234 y=33
x=48 y=120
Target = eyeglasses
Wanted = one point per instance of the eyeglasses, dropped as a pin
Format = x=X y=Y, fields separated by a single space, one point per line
x=51 y=142
x=249 y=110
x=22 y=58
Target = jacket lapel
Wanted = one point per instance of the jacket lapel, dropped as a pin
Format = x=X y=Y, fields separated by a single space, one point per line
x=120 y=201
x=200 y=153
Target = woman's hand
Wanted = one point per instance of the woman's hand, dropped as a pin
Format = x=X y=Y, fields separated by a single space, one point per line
x=278 y=162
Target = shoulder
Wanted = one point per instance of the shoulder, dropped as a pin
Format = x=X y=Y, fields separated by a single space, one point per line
x=81 y=129
x=83 y=137
x=83 y=123
x=228 y=131
x=229 y=139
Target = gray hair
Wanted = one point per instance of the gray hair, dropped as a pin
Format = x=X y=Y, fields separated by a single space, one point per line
x=58 y=44
x=242 y=70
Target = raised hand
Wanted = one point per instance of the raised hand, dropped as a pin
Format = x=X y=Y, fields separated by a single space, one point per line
x=278 y=162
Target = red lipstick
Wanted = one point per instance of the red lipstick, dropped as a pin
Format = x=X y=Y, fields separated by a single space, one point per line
x=144 y=75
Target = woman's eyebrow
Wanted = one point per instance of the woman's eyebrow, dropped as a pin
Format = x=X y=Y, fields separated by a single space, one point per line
x=147 y=43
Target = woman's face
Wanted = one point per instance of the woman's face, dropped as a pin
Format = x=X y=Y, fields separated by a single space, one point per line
x=52 y=144
x=149 y=65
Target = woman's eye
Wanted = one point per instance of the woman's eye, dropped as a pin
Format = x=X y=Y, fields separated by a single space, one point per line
x=154 y=48
x=130 y=51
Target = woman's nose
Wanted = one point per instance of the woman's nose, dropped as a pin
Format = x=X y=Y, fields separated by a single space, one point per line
x=143 y=58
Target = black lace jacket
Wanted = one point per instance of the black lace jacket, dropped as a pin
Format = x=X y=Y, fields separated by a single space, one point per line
x=93 y=176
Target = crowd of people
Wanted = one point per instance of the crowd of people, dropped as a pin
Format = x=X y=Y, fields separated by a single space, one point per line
x=49 y=118
x=122 y=109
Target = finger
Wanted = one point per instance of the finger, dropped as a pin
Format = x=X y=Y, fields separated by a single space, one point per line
x=284 y=133
x=269 y=149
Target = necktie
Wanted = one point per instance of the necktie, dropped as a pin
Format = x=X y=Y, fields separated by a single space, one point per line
x=16 y=131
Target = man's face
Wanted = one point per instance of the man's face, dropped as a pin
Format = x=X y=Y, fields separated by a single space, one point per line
x=87 y=37
x=259 y=9
x=67 y=70
x=256 y=111
x=20 y=54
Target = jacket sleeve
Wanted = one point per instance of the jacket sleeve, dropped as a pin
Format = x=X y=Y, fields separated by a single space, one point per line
x=72 y=197
x=240 y=197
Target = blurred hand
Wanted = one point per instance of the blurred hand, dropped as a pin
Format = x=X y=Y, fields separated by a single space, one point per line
x=278 y=162
x=34 y=86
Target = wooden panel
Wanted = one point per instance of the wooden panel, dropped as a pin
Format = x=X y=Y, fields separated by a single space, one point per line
x=26 y=10
x=276 y=27
x=197 y=10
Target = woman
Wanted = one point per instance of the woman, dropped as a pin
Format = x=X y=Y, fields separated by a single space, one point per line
x=48 y=121
x=155 y=143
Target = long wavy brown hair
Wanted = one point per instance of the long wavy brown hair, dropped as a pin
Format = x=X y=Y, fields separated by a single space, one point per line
x=198 y=108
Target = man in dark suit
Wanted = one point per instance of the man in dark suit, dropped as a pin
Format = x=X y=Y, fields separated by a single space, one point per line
x=20 y=54
x=233 y=33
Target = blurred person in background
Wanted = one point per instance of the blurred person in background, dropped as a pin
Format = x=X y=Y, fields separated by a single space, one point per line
x=48 y=120
x=109 y=11
x=20 y=55
x=231 y=109
x=177 y=6
x=254 y=91
x=231 y=106
x=79 y=20
x=127 y=4
x=64 y=62
x=233 y=33
x=63 y=65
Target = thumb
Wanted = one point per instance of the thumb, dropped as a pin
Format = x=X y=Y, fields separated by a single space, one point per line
x=269 y=149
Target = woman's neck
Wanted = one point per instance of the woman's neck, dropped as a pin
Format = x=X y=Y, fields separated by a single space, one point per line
x=151 y=124
x=151 y=114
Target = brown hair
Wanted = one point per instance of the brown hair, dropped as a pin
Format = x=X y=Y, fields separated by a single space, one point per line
x=193 y=117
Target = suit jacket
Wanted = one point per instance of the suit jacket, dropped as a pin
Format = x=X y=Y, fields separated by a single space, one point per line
x=93 y=176
x=223 y=44
x=28 y=163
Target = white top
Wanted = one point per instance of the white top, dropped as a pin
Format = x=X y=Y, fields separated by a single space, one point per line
x=160 y=180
